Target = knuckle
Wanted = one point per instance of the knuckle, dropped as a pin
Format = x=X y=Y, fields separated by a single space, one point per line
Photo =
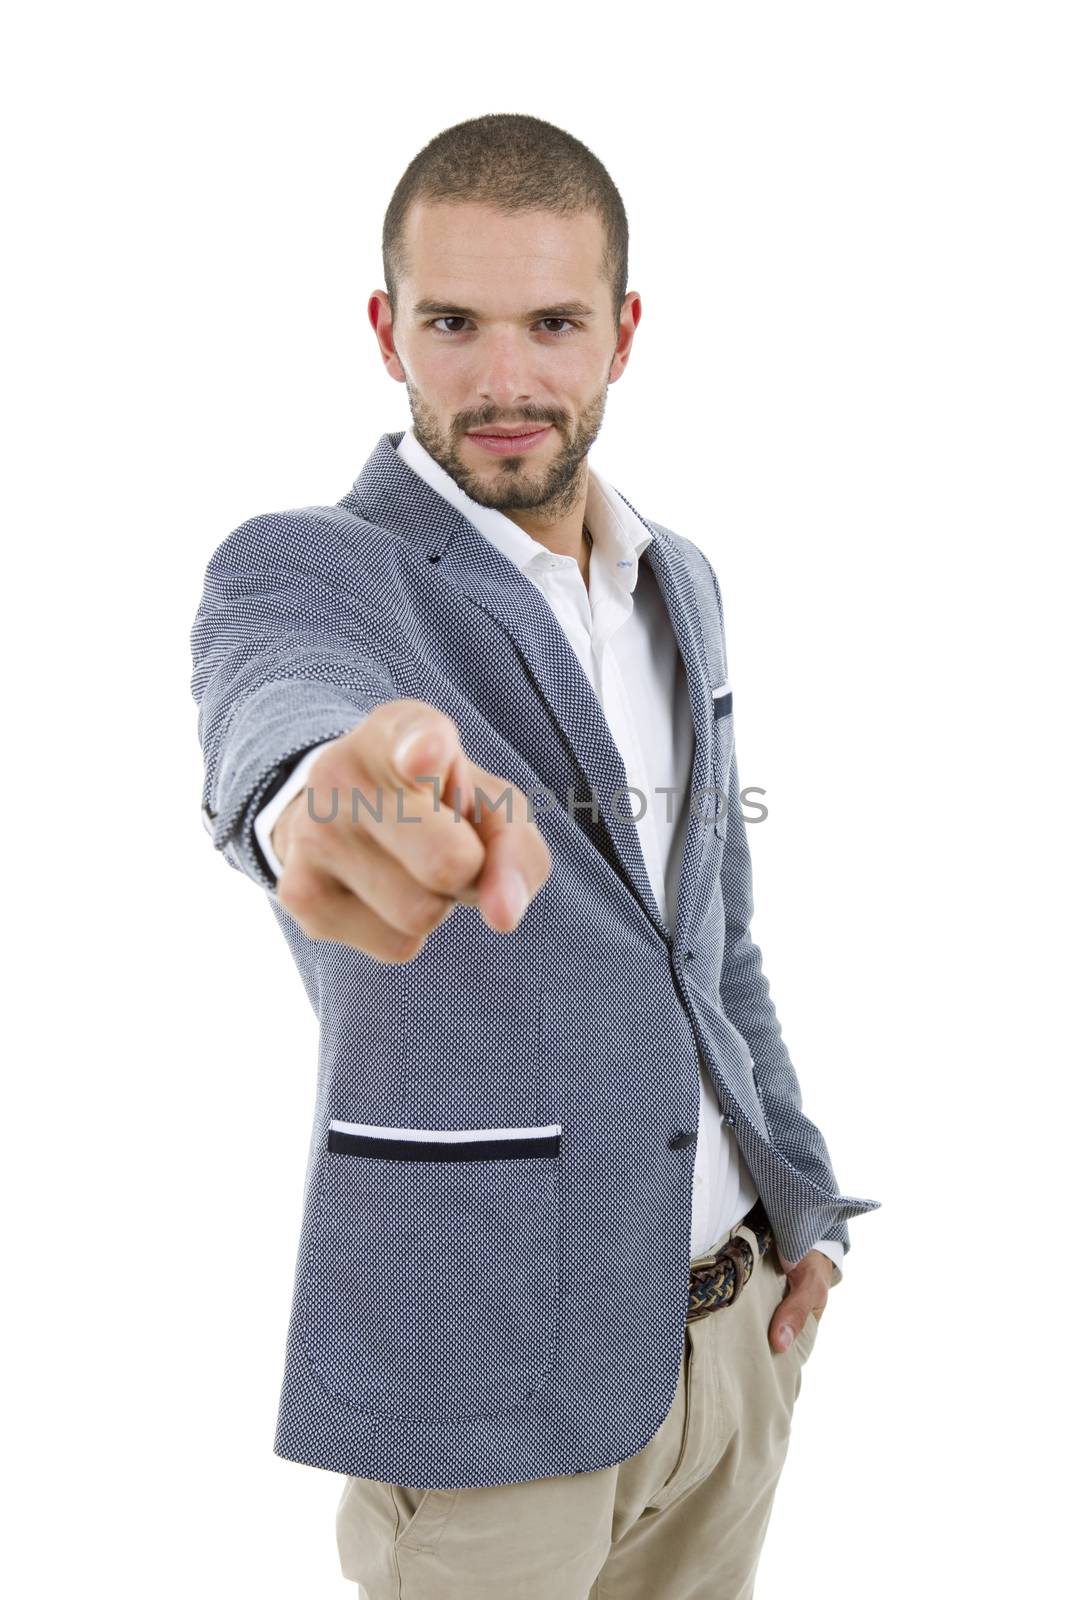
x=404 y=948
x=301 y=896
x=296 y=891
x=449 y=868
x=419 y=913
x=324 y=790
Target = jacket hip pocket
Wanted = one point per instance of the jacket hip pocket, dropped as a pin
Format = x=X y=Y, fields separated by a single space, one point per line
x=432 y=1286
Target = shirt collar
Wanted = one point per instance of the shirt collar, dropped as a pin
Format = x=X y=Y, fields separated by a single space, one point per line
x=619 y=535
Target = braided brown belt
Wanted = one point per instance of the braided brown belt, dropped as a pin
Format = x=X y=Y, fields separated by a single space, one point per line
x=718 y=1281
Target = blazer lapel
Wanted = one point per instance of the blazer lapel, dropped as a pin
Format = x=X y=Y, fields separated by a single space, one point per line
x=390 y=494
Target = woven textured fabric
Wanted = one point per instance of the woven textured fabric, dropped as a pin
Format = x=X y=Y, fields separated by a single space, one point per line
x=469 y=1311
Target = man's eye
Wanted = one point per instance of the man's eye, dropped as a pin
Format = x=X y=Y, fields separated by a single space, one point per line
x=448 y=332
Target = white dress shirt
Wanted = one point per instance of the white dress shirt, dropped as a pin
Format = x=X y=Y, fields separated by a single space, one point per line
x=621 y=633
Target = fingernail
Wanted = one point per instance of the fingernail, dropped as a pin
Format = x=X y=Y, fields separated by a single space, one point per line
x=786 y=1337
x=514 y=893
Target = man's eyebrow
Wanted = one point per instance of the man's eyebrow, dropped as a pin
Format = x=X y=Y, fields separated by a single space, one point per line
x=566 y=308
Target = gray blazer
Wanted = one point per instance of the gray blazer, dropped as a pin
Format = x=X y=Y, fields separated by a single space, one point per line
x=492 y=1277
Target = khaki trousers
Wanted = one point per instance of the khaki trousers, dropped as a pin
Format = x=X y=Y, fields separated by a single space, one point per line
x=683 y=1519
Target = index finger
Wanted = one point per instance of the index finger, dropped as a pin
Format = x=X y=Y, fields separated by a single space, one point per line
x=411 y=794
x=517 y=859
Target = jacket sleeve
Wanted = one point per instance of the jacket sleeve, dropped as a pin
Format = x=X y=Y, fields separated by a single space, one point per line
x=284 y=658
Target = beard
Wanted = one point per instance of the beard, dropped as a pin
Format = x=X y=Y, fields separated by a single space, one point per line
x=514 y=483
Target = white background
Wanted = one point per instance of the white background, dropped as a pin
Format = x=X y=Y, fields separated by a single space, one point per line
x=847 y=230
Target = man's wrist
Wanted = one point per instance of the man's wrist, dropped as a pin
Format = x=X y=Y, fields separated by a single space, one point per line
x=268 y=815
x=279 y=834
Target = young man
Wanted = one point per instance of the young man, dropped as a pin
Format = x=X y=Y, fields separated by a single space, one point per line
x=567 y=1232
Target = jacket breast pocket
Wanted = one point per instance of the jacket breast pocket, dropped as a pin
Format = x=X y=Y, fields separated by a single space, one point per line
x=432 y=1287
x=722 y=701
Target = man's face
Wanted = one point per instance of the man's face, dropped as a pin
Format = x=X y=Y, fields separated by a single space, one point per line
x=475 y=348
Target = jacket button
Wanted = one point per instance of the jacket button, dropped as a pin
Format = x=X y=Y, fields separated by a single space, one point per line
x=728 y=1119
x=679 y=1141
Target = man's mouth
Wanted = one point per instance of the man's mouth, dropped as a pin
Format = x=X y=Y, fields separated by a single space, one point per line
x=504 y=442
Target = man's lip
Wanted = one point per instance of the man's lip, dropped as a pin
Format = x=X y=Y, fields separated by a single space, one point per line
x=510 y=444
x=513 y=433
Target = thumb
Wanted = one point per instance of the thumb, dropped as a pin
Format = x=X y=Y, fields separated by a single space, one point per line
x=787 y=1321
x=782 y=1335
x=429 y=746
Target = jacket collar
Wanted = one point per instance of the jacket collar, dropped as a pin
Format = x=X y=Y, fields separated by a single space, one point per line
x=390 y=494
x=617 y=530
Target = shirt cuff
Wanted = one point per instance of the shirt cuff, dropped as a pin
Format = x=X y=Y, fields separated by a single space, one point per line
x=268 y=816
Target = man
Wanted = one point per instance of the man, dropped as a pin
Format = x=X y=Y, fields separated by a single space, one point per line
x=567 y=1231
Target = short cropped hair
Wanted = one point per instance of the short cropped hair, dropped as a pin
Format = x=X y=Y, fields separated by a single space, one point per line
x=515 y=163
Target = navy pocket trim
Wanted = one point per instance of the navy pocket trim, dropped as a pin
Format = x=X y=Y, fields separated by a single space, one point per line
x=723 y=701
x=418 y=1144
